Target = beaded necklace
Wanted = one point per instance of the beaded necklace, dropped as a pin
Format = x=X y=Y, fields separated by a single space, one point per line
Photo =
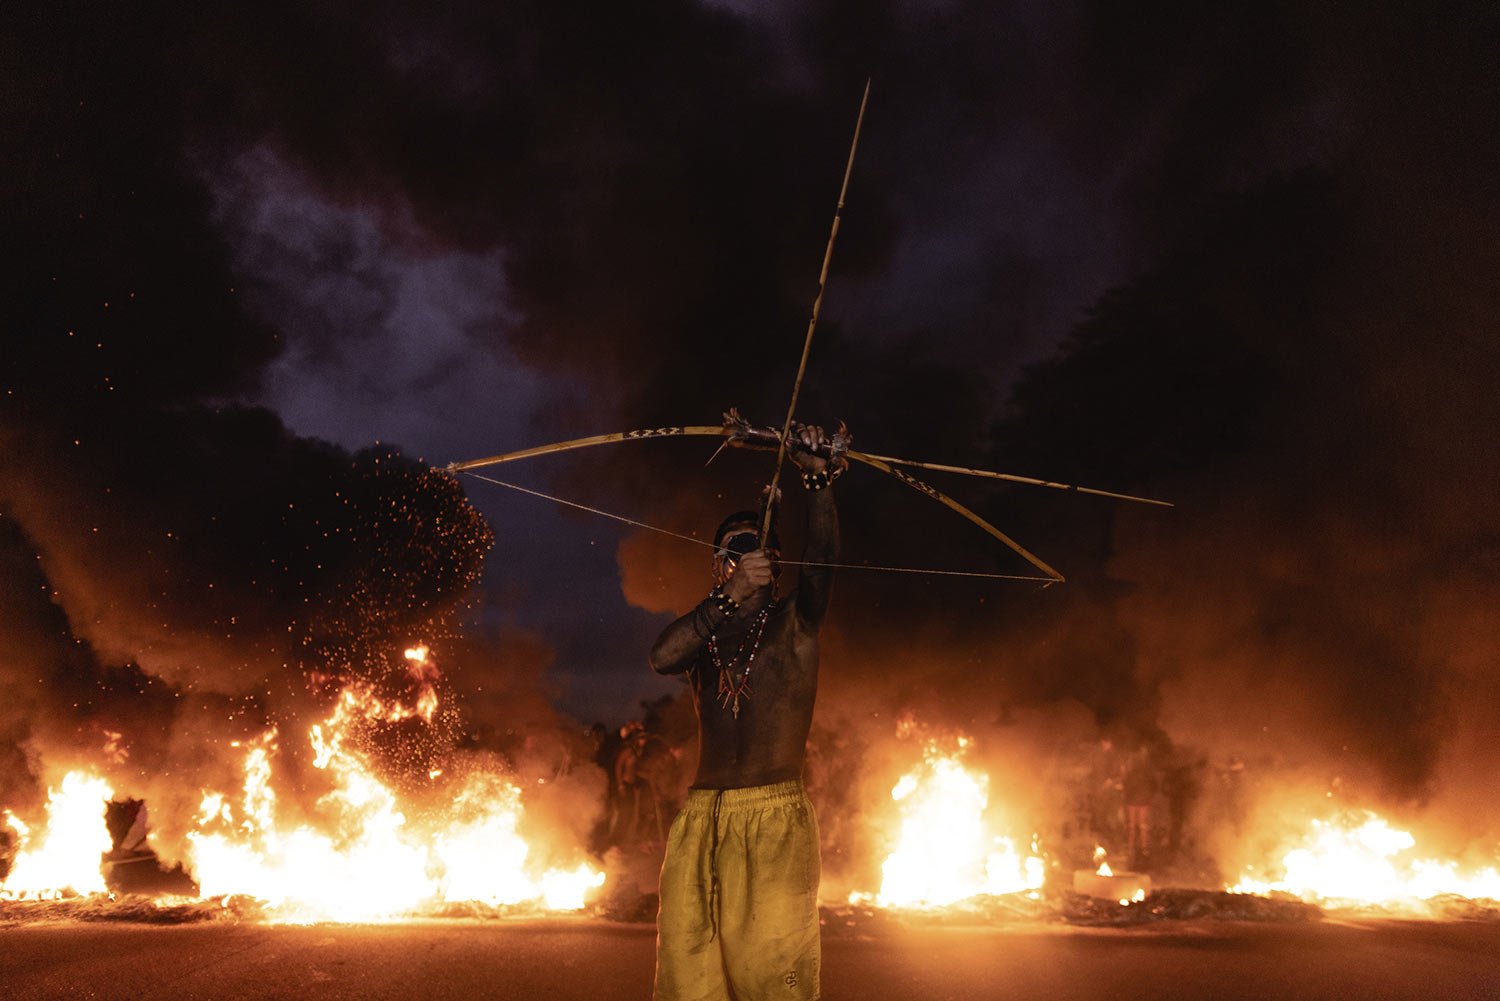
x=730 y=692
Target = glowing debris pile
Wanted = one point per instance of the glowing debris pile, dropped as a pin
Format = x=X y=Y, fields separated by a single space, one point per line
x=944 y=849
x=1358 y=858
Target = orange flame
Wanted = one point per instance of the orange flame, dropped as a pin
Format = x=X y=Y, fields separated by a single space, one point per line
x=944 y=850
x=65 y=857
x=1359 y=858
x=368 y=858
x=367 y=855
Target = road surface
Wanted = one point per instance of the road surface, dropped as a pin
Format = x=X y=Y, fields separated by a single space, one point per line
x=601 y=961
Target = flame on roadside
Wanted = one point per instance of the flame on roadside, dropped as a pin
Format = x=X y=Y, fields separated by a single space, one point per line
x=371 y=856
x=944 y=849
x=364 y=854
x=64 y=857
x=1358 y=858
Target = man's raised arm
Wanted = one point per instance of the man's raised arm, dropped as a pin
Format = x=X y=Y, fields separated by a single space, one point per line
x=815 y=583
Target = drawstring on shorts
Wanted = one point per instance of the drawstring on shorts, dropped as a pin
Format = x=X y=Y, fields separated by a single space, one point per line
x=718 y=806
x=713 y=868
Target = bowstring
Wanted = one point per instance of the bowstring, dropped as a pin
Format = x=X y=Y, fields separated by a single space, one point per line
x=699 y=542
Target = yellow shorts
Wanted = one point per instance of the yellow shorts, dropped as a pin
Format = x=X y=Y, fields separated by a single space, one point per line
x=739 y=898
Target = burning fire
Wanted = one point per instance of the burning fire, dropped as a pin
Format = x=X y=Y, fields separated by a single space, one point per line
x=1359 y=858
x=945 y=851
x=426 y=674
x=65 y=857
x=365 y=851
x=366 y=855
x=1103 y=883
x=372 y=860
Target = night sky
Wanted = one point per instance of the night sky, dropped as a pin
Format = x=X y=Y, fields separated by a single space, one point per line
x=259 y=267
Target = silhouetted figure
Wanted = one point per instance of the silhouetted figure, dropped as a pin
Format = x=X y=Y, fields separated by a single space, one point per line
x=630 y=790
x=1184 y=782
x=1140 y=785
x=1233 y=778
x=603 y=746
x=1105 y=800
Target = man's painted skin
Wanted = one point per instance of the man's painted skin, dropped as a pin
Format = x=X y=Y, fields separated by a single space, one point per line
x=766 y=742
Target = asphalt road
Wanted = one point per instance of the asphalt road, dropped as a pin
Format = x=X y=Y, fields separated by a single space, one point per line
x=598 y=961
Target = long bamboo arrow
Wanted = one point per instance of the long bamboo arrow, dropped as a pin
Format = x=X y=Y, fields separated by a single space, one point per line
x=812 y=321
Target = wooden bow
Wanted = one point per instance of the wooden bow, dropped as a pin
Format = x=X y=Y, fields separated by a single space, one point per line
x=738 y=433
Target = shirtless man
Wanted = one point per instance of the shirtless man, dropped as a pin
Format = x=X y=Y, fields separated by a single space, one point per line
x=739 y=887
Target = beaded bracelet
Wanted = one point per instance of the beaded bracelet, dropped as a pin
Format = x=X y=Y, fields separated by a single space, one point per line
x=723 y=602
x=820 y=480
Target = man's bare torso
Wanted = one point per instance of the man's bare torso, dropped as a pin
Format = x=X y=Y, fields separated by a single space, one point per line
x=767 y=741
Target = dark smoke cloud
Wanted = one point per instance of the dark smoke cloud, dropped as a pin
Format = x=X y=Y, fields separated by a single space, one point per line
x=182 y=572
x=180 y=597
